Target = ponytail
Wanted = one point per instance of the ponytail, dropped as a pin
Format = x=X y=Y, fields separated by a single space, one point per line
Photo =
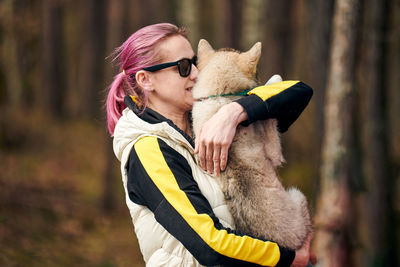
x=115 y=101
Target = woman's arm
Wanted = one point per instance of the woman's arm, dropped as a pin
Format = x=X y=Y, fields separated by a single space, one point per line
x=161 y=179
x=284 y=101
x=216 y=135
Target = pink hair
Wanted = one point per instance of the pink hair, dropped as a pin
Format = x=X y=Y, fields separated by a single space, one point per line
x=137 y=52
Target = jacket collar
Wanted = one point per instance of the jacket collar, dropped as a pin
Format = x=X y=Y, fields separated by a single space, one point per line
x=153 y=117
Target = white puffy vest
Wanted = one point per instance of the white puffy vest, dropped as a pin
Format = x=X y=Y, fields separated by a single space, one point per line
x=159 y=248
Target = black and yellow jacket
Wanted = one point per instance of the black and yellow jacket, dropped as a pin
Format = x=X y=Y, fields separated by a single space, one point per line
x=178 y=210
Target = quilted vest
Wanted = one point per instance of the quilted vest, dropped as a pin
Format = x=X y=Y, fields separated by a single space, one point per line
x=158 y=247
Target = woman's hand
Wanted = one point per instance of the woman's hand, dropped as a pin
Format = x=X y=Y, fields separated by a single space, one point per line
x=304 y=255
x=216 y=135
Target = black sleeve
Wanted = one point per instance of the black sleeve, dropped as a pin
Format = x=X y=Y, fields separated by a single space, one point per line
x=284 y=101
x=161 y=179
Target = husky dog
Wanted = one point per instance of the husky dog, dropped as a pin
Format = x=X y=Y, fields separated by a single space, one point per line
x=259 y=204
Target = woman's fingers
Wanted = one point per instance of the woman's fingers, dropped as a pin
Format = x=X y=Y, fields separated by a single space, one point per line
x=200 y=148
x=216 y=135
x=209 y=157
x=212 y=155
x=216 y=159
x=196 y=144
x=224 y=156
x=313 y=258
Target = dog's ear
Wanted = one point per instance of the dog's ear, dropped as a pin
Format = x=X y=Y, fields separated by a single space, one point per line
x=204 y=53
x=248 y=60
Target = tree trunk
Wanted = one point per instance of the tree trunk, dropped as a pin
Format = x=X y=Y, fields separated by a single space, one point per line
x=12 y=74
x=332 y=220
x=393 y=79
x=320 y=25
x=153 y=11
x=92 y=56
x=206 y=22
x=278 y=18
x=253 y=22
x=9 y=53
x=53 y=61
x=235 y=11
x=187 y=18
x=114 y=39
x=377 y=204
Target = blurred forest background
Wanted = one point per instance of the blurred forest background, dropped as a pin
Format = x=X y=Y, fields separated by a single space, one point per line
x=61 y=197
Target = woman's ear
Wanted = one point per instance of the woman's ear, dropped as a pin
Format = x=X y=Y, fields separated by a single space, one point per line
x=143 y=79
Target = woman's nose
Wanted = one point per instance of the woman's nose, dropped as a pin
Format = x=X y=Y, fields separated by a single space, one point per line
x=194 y=73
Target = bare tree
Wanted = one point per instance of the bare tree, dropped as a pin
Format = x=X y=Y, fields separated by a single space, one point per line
x=115 y=26
x=207 y=20
x=186 y=11
x=92 y=56
x=10 y=68
x=253 y=22
x=332 y=220
x=319 y=35
x=9 y=53
x=53 y=57
x=377 y=201
x=278 y=16
x=235 y=11
x=393 y=79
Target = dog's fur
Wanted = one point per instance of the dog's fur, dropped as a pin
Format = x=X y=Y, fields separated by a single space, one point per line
x=257 y=200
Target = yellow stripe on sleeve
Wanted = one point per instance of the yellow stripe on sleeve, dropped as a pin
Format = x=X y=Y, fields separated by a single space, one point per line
x=267 y=91
x=233 y=246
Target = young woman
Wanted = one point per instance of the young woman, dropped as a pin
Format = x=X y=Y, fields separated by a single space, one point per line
x=178 y=210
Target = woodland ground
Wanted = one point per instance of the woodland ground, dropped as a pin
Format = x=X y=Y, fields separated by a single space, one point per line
x=50 y=198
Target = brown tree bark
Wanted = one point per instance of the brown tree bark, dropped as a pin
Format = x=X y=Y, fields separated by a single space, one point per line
x=235 y=16
x=332 y=220
x=155 y=11
x=53 y=57
x=115 y=26
x=253 y=23
x=187 y=17
x=92 y=54
x=11 y=95
x=377 y=222
x=278 y=16
x=9 y=53
x=319 y=25
x=393 y=79
x=206 y=21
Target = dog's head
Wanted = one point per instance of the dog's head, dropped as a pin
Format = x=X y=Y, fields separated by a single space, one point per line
x=227 y=70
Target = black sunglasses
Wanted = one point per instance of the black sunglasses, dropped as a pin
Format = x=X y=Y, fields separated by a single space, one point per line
x=184 y=66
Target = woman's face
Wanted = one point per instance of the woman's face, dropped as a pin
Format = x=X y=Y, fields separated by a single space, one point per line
x=173 y=93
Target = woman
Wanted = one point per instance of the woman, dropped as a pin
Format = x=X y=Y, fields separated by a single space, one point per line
x=178 y=211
